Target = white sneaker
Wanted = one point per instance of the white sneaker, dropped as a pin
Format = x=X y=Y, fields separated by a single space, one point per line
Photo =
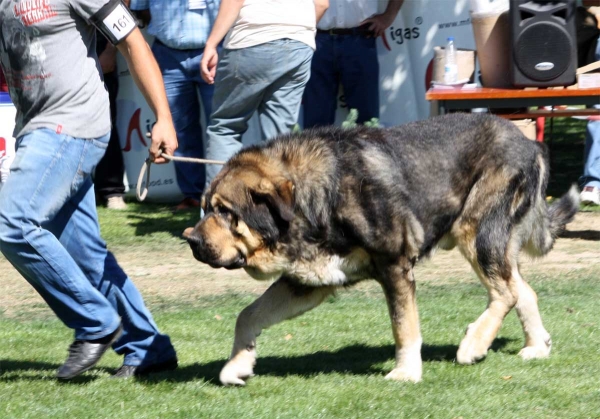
x=116 y=203
x=590 y=195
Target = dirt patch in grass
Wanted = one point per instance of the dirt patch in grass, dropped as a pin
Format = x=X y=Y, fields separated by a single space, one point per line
x=172 y=273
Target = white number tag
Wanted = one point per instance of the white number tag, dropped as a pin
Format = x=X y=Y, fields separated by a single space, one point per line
x=119 y=23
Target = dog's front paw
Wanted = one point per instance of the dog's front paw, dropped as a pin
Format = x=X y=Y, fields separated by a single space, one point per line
x=539 y=348
x=535 y=352
x=405 y=374
x=470 y=353
x=238 y=369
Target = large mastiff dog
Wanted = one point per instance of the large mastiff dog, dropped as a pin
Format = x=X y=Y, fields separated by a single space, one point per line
x=327 y=208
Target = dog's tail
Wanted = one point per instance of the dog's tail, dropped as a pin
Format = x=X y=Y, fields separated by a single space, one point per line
x=552 y=221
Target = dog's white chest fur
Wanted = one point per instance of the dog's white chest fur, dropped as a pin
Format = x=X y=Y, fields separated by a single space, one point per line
x=332 y=269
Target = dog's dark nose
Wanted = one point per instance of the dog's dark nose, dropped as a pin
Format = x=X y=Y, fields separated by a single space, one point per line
x=195 y=241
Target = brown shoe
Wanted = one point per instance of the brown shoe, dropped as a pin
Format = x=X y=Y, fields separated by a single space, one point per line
x=187 y=203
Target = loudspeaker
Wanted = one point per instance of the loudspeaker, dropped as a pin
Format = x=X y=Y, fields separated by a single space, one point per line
x=543 y=43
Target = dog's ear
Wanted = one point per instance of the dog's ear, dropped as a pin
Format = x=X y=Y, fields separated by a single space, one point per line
x=280 y=197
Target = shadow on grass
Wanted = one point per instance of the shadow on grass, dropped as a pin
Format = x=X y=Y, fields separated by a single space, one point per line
x=11 y=370
x=592 y=235
x=353 y=360
x=160 y=219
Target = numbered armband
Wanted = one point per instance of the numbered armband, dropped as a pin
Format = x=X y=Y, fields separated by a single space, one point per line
x=115 y=21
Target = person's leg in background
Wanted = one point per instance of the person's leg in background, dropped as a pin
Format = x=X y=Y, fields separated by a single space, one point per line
x=280 y=106
x=179 y=75
x=320 y=95
x=359 y=68
x=591 y=170
x=108 y=178
x=240 y=83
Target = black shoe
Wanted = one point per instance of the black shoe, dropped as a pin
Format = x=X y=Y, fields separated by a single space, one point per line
x=127 y=371
x=84 y=354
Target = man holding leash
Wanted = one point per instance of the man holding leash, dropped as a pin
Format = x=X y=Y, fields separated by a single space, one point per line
x=48 y=223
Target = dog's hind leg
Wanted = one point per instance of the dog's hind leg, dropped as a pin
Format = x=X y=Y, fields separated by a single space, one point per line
x=398 y=285
x=480 y=334
x=489 y=255
x=281 y=301
x=537 y=339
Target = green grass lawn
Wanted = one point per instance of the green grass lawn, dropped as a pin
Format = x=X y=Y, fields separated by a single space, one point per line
x=331 y=362
x=328 y=363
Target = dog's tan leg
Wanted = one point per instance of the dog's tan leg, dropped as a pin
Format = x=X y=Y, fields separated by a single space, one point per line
x=483 y=331
x=537 y=339
x=283 y=300
x=399 y=287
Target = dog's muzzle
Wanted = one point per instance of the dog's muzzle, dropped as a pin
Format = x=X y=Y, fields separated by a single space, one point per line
x=205 y=254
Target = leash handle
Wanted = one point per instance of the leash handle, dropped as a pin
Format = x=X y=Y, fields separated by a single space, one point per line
x=140 y=193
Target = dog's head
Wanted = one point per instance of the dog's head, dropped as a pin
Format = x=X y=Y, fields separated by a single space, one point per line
x=246 y=210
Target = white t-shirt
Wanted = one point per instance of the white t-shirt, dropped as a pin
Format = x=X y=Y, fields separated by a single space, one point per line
x=262 y=21
x=345 y=14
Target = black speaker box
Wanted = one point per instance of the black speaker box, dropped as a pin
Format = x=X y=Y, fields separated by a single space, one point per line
x=543 y=41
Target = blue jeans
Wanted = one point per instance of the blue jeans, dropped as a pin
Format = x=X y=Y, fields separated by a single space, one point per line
x=49 y=232
x=269 y=79
x=591 y=165
x=181 y=74
x=351 y=60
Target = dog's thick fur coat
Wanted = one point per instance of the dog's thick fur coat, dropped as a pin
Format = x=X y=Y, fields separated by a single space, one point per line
x=326 y=208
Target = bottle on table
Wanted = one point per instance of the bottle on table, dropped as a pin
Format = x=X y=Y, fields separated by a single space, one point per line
x=450 y=66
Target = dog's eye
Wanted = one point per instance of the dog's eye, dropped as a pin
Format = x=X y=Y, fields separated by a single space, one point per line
x=220 y=209
x=225 y=212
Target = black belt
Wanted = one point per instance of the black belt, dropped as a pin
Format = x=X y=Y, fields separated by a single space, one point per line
x=361 y=30
x=158 y=42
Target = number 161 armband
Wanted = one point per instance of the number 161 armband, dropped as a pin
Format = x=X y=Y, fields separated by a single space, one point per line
x=114 y=20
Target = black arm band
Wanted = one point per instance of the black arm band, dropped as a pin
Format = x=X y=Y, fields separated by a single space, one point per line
x=114 y=21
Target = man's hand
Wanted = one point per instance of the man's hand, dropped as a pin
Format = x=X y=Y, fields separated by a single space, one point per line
x=378 y=23
x=208 y=65
x=108 y=59
x=164 y=139
x=228 y=13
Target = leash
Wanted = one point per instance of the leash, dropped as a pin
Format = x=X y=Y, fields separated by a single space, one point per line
x=141 y=193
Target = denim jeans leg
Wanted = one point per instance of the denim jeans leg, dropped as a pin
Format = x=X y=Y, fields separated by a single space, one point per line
x=280 y=106
x=591 y=162
x=140 y=342
x=47 y=174
x=359 y=68
x=183 y=100
x=321 y=93
x=591 y=168
x=236 y=98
